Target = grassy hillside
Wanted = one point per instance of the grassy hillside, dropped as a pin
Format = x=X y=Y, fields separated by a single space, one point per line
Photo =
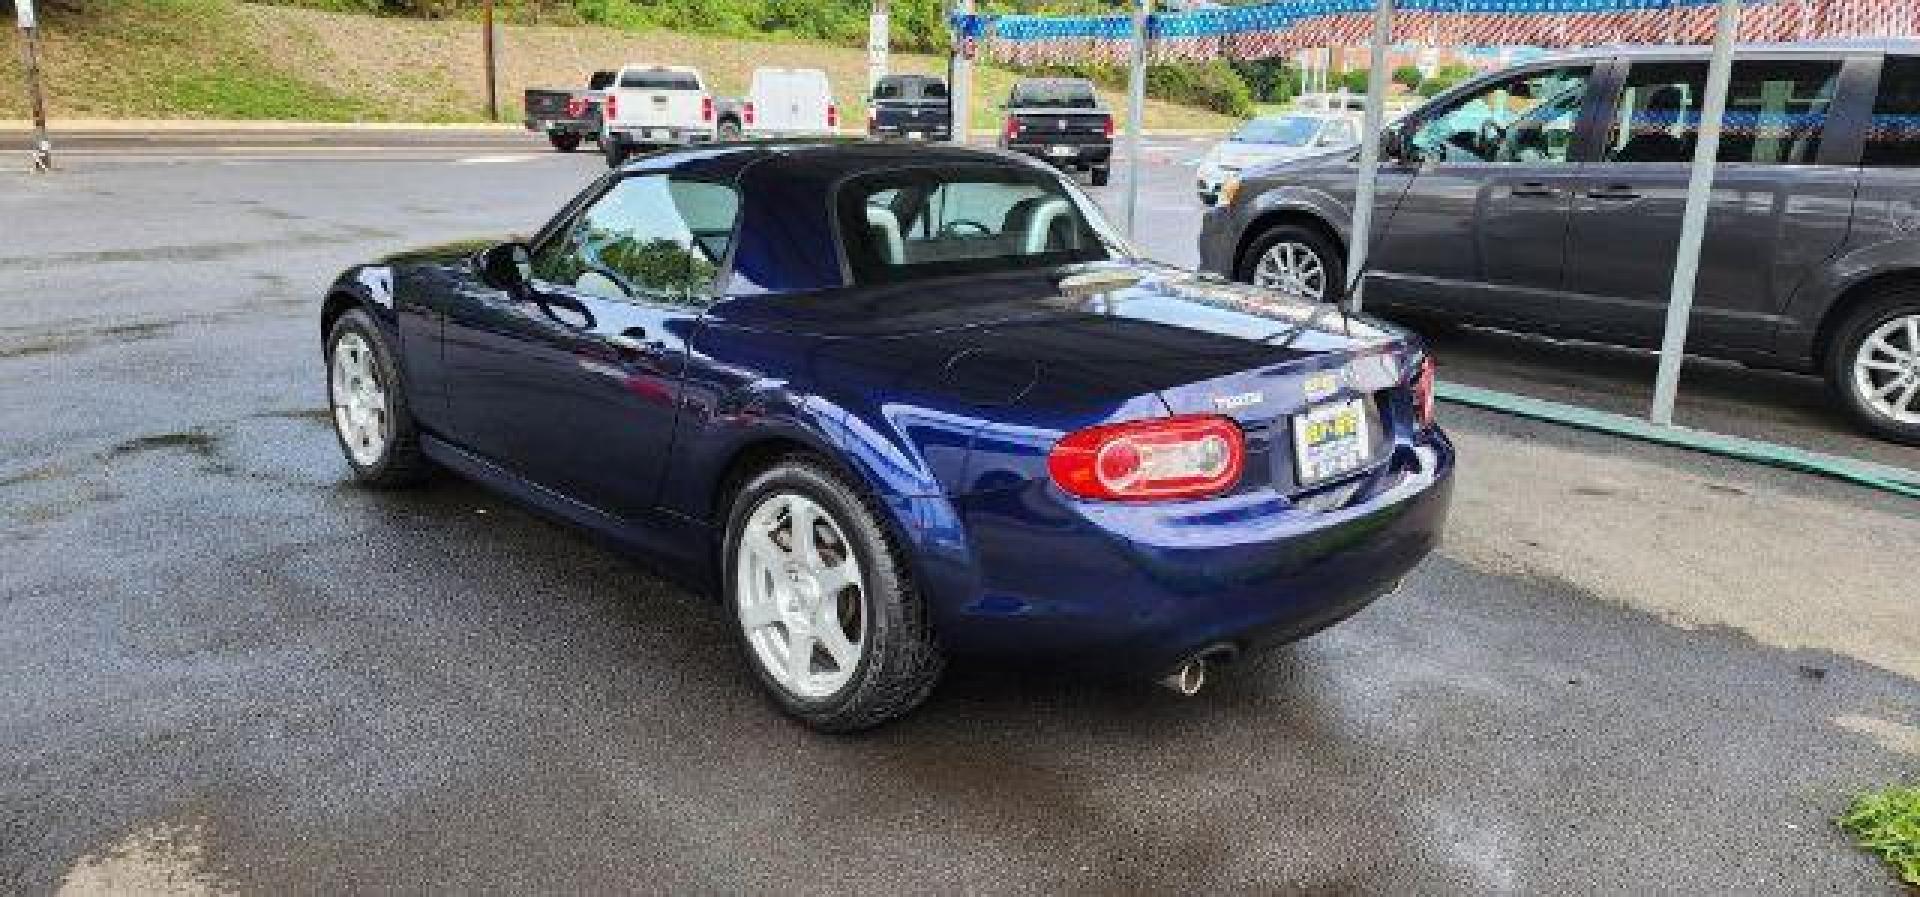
x=223 y=59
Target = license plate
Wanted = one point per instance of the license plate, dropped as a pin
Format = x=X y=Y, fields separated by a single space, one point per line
x=658 y=134
x=916 y=135
x=1060 y=151
x=1330 y=440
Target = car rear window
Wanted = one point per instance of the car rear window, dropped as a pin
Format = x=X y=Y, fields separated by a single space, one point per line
x=600 y=81
x=661 y=80
x=911 y=224
x=908 y=88
x=1053 y=95
x=1894 y=140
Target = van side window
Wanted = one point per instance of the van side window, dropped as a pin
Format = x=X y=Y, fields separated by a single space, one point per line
x=1894 y=139
x=1527 y=120
x=1776 y=112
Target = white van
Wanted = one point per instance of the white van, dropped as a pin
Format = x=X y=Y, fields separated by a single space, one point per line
x=789 y=103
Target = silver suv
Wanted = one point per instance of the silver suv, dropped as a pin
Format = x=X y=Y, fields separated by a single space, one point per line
x=1547 y=198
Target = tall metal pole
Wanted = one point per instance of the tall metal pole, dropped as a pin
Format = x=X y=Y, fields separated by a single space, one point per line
x=1376 y=117
x=493 y=93
x=30 y=63
x=878 y=36
x=1136 y=106
x=960 y=93
x=1693 y=222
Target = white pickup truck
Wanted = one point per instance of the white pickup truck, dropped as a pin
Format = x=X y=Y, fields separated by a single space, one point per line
x=655 y=105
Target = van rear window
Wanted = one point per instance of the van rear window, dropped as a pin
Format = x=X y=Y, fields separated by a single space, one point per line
x=1894 y=139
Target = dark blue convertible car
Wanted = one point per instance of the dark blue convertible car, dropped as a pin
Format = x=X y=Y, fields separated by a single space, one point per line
x=895 y=404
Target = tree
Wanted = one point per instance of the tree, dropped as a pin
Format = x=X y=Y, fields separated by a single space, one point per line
x=1408 y=76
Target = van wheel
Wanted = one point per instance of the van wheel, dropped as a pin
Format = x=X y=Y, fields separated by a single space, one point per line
x=1873 y=363
x=825 y=607
x=1098 y=177
x=1297 y=260
x=565 y=143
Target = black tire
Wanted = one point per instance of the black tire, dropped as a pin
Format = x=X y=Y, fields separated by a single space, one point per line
x=564 y=142
x=730 y=130
x=614 y=149
x=1886 y=304
x=1098 y=176
x=1330 y=257
x=401 y=463
x=900 y=662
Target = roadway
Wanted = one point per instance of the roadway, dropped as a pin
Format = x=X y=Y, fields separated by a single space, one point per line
x=1629 y=670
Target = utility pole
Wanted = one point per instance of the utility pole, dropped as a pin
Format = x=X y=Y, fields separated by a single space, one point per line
x=30 y=64
x=493 y=91
x=960 y=93
x=1375 y=121
x=878 y=25
x=1136 y=106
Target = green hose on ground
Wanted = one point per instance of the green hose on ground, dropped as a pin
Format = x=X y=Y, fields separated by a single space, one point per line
x=1897 y=480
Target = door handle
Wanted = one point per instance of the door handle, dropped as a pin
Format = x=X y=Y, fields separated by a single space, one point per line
x=633 y=340
x=1615 y=192
x=1535 y=189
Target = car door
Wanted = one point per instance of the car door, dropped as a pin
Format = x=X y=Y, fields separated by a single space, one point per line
x=1480 y=230
x=1782 y=196
x=576 y=383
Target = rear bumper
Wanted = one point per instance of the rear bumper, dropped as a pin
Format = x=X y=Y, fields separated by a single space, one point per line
x=1136 y=589
x=928 y=131
x=660 y=136
x=561 y=126
x=1084 y=155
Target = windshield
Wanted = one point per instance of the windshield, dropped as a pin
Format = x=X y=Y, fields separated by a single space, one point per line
x=1053 y=95
x=911 y=224
x=1291 y=130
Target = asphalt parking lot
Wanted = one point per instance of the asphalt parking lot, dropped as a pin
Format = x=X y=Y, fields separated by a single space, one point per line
x=1630 y=669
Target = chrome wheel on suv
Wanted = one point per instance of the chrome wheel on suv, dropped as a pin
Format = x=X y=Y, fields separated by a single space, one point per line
x=1292 y=267
x=1886 y=369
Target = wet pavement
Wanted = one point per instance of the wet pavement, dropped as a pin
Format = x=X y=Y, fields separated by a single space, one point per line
x=229 y=669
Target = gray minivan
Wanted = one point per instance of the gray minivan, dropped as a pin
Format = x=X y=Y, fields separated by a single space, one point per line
x=1547 y=198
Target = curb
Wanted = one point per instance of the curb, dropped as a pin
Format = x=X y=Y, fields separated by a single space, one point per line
x=1885 y=477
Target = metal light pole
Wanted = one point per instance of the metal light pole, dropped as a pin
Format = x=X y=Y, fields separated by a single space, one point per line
x=1136 y=106
x=960 y=93
x=493 y=92
x=30 y=64
x=877 y=40
x=1693 y=223
x=1376 y=117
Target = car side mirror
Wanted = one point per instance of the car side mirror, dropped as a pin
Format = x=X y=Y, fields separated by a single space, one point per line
x=505 y=266
x=1393 y=145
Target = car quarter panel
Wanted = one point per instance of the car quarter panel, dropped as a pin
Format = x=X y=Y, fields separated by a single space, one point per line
x=1882 y=240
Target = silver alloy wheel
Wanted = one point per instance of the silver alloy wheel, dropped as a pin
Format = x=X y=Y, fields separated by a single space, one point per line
x=360 y=410
x=1292 y=267
x=802 y=598
x=1886 y=370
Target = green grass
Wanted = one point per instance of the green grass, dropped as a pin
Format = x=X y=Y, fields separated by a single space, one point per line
x=1887 y=824
x=247 y=92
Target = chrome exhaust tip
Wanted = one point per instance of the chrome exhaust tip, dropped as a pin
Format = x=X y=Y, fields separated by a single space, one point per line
x=1189 y=678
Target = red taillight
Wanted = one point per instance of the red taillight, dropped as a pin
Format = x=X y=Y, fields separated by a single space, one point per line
x=1012 y=127
x=706 y=108
x=833 y=116
x=610 y=108
x=1423 y=393
x=746 y=112
x=1109 y=127
x=1192 y=456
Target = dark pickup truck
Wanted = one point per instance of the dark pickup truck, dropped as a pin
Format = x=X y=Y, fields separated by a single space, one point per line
x=568 y=116
x=910 y=107
x=1060 y=120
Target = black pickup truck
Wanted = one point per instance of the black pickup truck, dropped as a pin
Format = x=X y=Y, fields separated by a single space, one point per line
x=910 y=107
x=1060 y=120
x=568 y=116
